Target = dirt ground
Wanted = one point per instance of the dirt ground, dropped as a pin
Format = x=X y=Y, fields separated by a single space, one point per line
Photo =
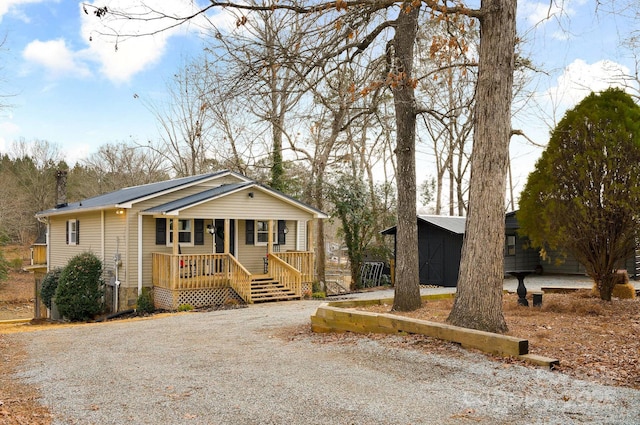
x=18 y=403
x=16 y=296
x=17 y=292
x=593 y=339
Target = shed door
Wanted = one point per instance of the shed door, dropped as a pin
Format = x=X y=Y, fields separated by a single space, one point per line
x=432 y=262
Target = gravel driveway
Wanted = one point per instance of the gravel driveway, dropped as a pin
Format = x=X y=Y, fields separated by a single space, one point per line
x=234 y=367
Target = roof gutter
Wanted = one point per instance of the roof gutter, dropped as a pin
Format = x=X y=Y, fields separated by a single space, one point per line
x=80 y=209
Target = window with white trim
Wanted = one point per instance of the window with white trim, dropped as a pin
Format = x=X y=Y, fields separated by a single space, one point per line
x=262 y=233
x=185 y=232
x=72 y=232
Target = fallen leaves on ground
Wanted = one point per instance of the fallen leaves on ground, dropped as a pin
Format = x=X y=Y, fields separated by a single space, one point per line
x=19 y=403
x=593 y=339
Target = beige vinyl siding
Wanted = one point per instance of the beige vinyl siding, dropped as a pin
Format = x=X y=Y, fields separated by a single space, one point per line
x=90 y=238
x=115 y=240
x=301 y=235
x=149 y=231
x=149 y=246
x=240 y=206
x=163 y=199
x=252 y=256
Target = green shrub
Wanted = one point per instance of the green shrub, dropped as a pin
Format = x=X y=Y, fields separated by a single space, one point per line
x=319 y=295
x=315 y=286
x=49 y=286
x=80 y=288
x=185 y=307
x=145 y=305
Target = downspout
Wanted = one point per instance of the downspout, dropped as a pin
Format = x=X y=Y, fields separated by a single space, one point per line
x=117 y=263
x=139 y=254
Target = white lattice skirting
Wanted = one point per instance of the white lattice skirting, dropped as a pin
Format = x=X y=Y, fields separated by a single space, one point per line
x=166 y=299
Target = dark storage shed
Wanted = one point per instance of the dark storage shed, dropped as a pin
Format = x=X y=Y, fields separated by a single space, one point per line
x=439 y=247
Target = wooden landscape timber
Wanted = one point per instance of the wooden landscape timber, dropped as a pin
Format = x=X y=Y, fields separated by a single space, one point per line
x=342 y=316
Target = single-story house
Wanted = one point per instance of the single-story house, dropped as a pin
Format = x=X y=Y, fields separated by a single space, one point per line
x=199 y=240
x=440 y=244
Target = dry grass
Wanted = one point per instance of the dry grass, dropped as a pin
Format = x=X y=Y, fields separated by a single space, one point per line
x=17 y=292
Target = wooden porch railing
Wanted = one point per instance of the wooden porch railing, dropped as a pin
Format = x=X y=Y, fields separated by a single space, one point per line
x=200 y=271
x=240 y=279
x=303 y=261
x=285 y=274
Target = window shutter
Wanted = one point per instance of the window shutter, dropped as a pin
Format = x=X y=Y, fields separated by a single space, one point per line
x=282 y=237
x=198 y=229
x=77 y=232
x=67 y=237
x=161 y=231
x=250 y=237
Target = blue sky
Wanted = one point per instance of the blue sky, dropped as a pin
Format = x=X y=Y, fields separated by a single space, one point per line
x=79 y=94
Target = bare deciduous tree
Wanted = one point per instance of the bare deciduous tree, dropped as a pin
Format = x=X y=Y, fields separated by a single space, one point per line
x=479 y=301
x=184 y=127
x=115 y=166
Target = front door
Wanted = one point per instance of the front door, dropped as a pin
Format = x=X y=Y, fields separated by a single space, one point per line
x=219 y=223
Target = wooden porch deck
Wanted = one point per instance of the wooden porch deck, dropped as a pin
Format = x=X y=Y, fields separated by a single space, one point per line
x=215 y=278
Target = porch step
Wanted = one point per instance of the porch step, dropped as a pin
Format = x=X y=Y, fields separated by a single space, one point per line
x=266 y=289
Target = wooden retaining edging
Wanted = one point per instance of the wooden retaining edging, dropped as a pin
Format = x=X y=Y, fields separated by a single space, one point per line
x=340 y=316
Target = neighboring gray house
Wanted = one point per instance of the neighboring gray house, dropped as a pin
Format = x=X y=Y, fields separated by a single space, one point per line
x=440 y=244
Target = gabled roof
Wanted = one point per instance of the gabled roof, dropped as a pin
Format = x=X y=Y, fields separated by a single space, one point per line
x=124 y=198
x=451 y=224
x=173 y=207
x=198 y=198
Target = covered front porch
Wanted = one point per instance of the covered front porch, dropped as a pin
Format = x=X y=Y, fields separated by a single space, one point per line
x=201 y=279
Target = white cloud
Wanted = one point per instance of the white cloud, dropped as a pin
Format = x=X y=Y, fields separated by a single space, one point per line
x=540 y=13
x=12 y=6
x=76 y=152
x=579 y=79
x=140 y=42
x=8 y=132
x=56 y=57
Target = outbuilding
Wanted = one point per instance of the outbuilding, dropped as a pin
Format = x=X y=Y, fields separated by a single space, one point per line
x=439 y=247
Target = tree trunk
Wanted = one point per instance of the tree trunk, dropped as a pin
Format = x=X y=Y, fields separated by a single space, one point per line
x=407 y=288
x=321 y=258
x=478 y=302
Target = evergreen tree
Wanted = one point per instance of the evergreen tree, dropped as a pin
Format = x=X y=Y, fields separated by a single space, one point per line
x=583 y=196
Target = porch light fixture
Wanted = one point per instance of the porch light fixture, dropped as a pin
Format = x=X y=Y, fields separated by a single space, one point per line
x=119 y=211
x=285 y=230
x=211 y=229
